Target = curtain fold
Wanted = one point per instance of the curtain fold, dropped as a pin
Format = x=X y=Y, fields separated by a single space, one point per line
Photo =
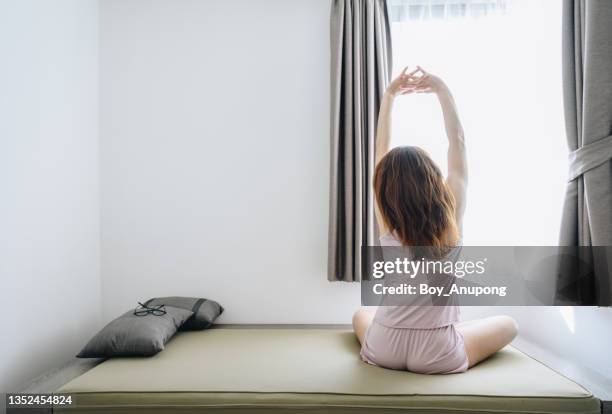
x=587 y=214
x=360 y=71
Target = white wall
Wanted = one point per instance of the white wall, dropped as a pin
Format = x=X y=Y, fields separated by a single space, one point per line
x=214 y=157
x=49 y=212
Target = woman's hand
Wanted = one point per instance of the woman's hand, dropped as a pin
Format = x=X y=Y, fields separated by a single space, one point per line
x=401 y=83
x=420 y=81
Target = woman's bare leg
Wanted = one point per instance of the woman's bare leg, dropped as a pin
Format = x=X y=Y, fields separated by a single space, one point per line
x=484 y=337
x=361 y=321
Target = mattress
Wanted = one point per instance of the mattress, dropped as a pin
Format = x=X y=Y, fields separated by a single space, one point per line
x=312 y=371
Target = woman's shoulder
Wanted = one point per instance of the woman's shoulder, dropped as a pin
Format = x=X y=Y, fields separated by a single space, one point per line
x=388 y=239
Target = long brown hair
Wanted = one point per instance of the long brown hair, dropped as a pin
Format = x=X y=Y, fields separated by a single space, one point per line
x=414 y=200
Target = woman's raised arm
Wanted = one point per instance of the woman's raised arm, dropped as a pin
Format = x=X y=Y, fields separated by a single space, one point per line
x=457 y=176
x=383 y=129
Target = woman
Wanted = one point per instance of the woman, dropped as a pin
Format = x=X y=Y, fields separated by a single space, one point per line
x=416 y=206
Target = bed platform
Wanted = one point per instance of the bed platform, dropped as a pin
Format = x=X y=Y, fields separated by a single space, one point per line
x=312 y=371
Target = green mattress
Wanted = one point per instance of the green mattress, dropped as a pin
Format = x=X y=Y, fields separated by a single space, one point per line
x=312 y=371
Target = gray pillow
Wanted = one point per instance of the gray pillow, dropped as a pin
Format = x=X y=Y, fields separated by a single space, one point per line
x=131 y=335
x=205 y=311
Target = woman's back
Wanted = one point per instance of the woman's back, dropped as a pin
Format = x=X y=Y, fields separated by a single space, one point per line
x=420 y=313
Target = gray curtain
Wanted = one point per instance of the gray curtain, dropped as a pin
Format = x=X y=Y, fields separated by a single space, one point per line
x=360 y=70
x=587 y=215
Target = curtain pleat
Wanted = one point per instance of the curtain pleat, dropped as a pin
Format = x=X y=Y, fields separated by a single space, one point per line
x=587 y=211
x=360 y=71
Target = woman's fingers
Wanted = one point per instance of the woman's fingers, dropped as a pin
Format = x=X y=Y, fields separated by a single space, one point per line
x=416 y=81
x=405 y=75
x=416 y=88
x=411 y=89
x=408 y=88
x=416 y=72
x=410 y=83
x=422 y=79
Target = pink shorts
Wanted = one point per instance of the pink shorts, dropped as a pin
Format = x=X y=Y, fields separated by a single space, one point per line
x=424 y=351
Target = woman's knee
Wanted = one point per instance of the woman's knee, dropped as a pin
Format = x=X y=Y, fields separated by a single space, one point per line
x=360 y=317
x=487 y=336
x=503 y=328
x=509 y=326
x=361 y=321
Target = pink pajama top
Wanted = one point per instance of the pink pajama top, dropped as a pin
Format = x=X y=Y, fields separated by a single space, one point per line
x=420 y=314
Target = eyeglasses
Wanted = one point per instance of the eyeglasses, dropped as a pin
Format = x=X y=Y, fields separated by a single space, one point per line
x=144 y=310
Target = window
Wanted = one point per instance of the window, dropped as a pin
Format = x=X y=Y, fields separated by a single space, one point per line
x=502 y=61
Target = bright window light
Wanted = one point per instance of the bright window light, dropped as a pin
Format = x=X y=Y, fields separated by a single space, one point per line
x=567 y=312
x=502 y=61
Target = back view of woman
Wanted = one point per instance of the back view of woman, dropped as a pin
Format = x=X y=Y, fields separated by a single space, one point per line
x=417 y=206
